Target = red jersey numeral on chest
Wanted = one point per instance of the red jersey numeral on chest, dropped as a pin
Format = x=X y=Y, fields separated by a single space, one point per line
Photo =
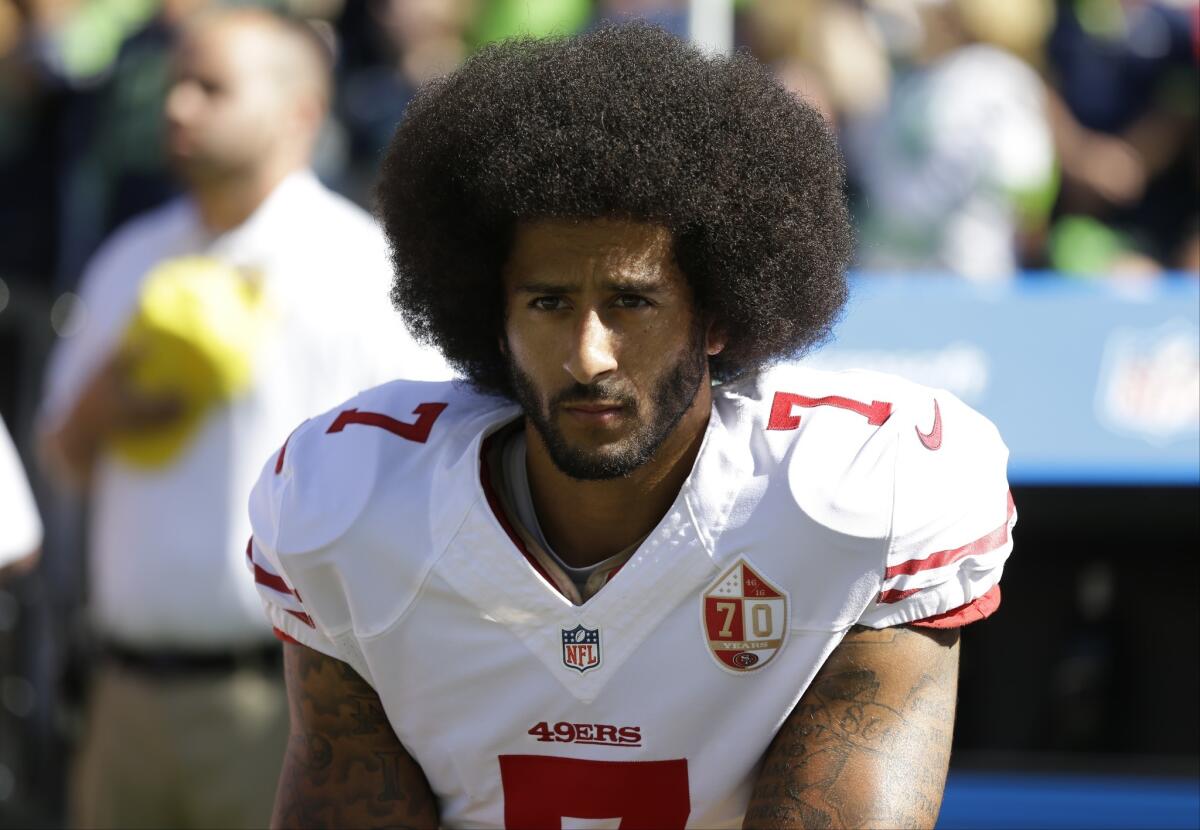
x=539 y=790
x=417 y=431
x=876 y=412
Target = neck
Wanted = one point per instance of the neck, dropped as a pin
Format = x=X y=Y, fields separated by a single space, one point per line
x=586 y=522
x=226 y=202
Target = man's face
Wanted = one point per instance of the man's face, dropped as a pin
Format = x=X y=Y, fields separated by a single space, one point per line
x=604 y=347
x=225 y=108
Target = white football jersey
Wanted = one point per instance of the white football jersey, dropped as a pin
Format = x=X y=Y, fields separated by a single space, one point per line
x=818 y=501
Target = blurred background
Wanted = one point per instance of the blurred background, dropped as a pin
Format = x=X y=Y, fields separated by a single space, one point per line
x=1025 y=177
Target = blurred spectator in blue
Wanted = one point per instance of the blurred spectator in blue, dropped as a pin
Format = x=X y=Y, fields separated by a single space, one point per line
x=1126 y=123
x=958 y=172
x=30 y=107
x=388 y=48
x=50 y=52
x=671 y=15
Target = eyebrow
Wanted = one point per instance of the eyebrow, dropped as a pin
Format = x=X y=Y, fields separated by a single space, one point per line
x=622 y=284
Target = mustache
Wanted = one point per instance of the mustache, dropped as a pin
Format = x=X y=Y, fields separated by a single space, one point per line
x=588 y=393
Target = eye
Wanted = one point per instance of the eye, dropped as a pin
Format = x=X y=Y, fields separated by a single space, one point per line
x=631 y=301
x=547 y=303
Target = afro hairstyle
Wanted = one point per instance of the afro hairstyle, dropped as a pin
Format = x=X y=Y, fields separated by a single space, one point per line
x=630 y=122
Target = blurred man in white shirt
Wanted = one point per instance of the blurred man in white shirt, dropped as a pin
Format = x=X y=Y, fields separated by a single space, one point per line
x=187 y=721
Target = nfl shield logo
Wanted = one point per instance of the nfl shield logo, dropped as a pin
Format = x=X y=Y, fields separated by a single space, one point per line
x=745 y=618
x=581 y=648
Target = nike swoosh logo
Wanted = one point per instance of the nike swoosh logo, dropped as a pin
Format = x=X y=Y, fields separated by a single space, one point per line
x=932 y=440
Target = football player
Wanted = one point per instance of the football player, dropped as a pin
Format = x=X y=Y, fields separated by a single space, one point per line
x=640 y=568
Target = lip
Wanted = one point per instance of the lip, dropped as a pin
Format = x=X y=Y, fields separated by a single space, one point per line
x=596 y=414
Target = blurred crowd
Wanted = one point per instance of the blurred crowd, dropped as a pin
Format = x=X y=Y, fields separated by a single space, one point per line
x=982 y=138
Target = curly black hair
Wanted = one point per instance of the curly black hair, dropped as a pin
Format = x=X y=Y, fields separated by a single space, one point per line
x=626 y=121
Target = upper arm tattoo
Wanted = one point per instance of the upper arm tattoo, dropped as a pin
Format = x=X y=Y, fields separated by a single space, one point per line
x=869 y=743
x=344 y=765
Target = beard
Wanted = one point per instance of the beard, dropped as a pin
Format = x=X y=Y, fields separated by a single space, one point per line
x=671 y=398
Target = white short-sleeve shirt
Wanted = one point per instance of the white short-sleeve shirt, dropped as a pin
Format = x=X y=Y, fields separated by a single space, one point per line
x=166 y=543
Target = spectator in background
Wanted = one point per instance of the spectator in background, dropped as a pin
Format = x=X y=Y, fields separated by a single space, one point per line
x=186 y=722
x=1126 y=125
x=959 y=169
x=389 y=48
x=21 y=530
x=826 y=51
x=112 y=148
x=669 y=15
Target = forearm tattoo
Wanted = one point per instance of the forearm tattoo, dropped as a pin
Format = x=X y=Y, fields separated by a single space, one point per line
x=869 y=743
x=344 y=765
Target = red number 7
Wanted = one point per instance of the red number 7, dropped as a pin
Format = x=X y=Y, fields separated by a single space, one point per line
x=876 y=412
x=417 y=431
x=539 y=790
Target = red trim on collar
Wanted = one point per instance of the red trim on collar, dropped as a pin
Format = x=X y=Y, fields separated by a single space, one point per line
x=494 y=503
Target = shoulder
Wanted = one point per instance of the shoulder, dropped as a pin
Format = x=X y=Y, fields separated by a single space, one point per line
x=386 y=443
x=847 y=443
x=332 y=212
x=138 y=243
x=377 y=485
x=337 y=233
x=876 y=458
x=850 y=408
x=350 y=514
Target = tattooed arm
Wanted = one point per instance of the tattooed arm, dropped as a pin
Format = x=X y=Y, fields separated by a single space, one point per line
x=869 y=742
x=344 y=766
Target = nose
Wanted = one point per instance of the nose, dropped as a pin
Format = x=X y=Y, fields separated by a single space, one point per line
x=593 y=353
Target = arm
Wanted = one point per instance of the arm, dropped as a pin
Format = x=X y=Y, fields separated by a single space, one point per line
x=868 y=744
x=109 y=404
x=344 y=765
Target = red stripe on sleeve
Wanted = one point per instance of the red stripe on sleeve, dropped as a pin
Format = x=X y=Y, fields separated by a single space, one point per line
x=282 y=453
x=886 y=597
x=973 y=611
x=264 y=577
x=302 y=617
x=982 y=545
x=272 y=581
x=283 y=635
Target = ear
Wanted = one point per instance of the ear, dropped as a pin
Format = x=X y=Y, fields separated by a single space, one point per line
x=716 y=338
x=311 y=112
x=502 y=342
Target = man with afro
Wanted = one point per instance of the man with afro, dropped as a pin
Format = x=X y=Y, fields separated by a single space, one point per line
x=640 y=568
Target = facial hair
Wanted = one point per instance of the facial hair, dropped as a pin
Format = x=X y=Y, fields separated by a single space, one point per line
x=672 y=397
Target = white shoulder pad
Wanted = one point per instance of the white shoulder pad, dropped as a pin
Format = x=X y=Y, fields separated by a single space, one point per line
x=907 y=503
x=360 y=501
x=832 y=435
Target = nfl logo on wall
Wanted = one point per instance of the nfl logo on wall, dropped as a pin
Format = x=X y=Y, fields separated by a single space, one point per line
x=581 y=648
x=745 y=618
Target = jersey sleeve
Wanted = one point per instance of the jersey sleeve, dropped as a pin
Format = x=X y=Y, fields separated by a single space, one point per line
x=951 y=521
x=299 y=591
x=282 y=604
